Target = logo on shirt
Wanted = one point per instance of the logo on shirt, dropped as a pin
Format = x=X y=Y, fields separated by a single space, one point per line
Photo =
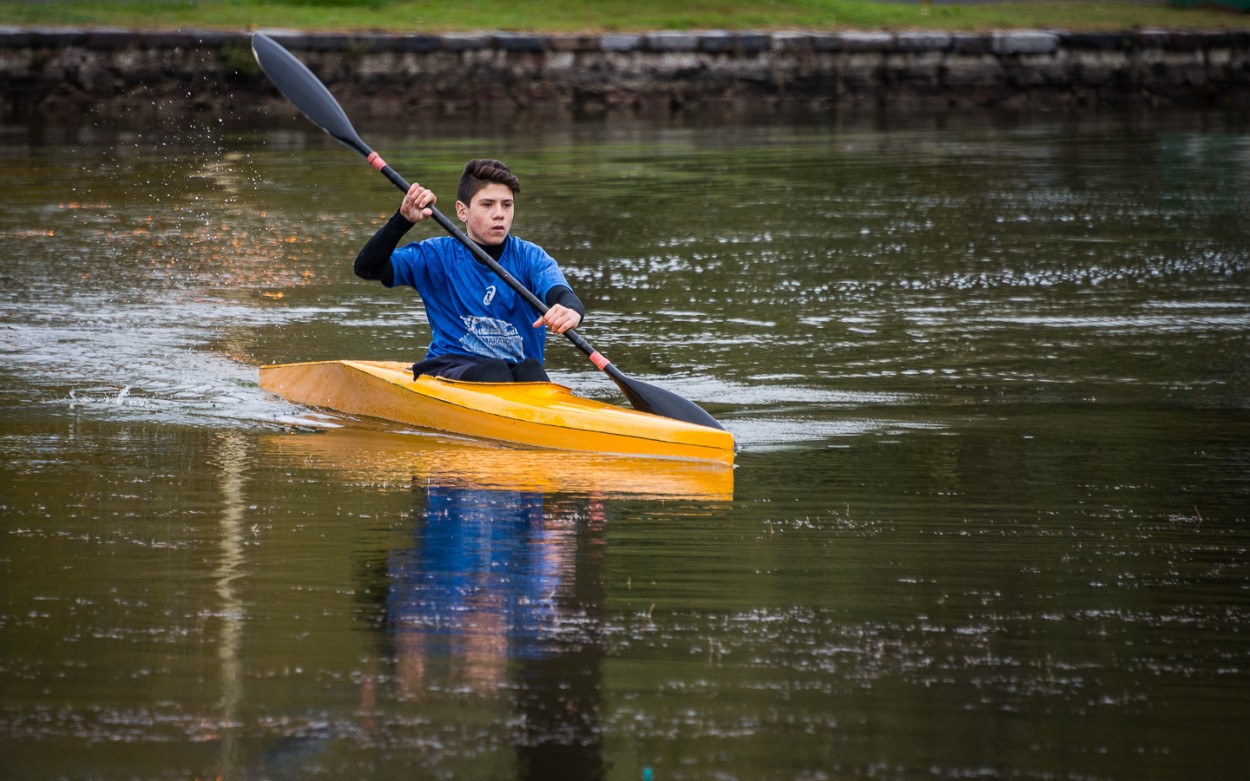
x=492 y=338
x=490 y=296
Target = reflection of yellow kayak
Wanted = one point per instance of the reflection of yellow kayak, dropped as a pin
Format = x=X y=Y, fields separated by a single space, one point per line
x=387 y=458
x=531 y=413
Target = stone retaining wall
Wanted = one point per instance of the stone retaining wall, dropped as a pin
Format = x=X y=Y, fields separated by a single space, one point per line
x=42 y=70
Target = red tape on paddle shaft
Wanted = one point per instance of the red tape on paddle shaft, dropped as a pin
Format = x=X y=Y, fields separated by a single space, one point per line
x=376 y=161
x=598 y=360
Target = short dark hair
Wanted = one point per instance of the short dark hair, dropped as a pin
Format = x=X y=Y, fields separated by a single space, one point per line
x=479 y=173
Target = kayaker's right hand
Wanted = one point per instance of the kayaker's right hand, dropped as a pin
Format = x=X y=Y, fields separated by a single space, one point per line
x=559 y=319
x=417 y=203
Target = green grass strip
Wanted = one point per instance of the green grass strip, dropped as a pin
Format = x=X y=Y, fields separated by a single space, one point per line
x=568 y=16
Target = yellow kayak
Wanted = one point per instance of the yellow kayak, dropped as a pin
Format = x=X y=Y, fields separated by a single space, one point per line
x=537 y=414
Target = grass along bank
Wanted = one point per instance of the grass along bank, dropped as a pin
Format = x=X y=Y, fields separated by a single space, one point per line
x=564 y=16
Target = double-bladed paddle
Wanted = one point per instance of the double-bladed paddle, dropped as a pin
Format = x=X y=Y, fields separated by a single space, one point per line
x=300 y=86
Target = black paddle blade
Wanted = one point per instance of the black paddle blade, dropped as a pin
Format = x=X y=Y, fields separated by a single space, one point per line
x=657 y=401
x=305 y=90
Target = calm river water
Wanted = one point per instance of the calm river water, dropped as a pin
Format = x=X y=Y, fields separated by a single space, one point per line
x=990 y=377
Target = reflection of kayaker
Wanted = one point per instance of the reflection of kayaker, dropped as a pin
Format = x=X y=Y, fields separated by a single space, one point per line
x=481 y=333
x=502 y=592
x=478 y=584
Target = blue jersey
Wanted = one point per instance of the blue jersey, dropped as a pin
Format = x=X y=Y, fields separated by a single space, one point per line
x=471 y=310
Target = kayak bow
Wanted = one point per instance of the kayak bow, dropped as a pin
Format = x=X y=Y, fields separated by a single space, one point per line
x=538 y=414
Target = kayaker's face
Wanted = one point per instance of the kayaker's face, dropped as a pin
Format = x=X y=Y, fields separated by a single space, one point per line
x=488 y=218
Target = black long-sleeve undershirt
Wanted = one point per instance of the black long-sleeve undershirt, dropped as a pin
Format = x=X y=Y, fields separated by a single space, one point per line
x=374 y=259
x=374 y=262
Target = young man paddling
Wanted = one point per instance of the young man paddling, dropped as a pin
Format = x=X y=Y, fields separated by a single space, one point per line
x=482 y=330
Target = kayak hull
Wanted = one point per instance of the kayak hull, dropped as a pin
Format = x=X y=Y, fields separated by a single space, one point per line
x=536 y=414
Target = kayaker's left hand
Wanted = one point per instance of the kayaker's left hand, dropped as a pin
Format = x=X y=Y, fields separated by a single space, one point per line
x=559 y=319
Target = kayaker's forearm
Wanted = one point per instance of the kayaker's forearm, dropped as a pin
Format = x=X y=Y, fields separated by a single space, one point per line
x=565 y=297
x=374 y=261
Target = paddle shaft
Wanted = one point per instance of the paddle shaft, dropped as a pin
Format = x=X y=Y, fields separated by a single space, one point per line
x=472 y=246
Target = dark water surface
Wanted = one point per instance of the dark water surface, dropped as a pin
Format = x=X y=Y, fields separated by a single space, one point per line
x=990 y=376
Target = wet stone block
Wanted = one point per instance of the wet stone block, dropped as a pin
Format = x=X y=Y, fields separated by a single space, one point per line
x=462 y=42
x=327 y=42
x=209 y=39
x=922 y=42
x=717 y=41
x=168 y=39
x=671 y=42
x=620 y=43
x=971 y=43
x=1097 y=68
x=867 y=42
x=754 y=43
x=826 y=42
x=418 y=43
x=1187 y=40
x=513 y=42
x=15 y=37
x=1153 y=39
x=289 y=39
x=573 y=43
x=792 y=42
x=973 y=72
x=111 y=40
x=58 y=37
x=1025 y=42
x=1112 y=41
